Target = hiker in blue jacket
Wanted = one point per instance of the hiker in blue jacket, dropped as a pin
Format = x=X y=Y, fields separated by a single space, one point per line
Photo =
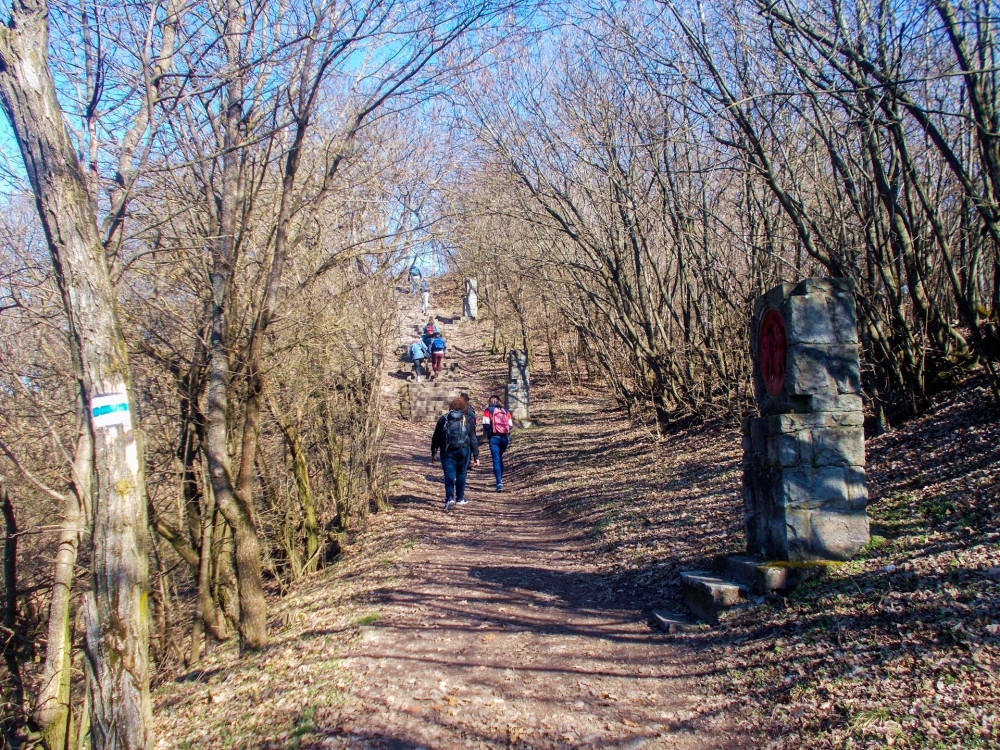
x=415 y=277
x=418 y=353
x=437 y=348
x=455 y=437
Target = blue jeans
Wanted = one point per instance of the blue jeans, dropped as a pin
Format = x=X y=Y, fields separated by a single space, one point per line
x=418 y=366
x=454 y=464
x=498 y=444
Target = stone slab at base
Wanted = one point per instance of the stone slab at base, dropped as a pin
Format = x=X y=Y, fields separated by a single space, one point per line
x=707 y=595
x=671 y=622
x=767 y=576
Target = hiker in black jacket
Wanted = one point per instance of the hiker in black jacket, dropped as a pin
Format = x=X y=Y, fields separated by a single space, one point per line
x=455 y=437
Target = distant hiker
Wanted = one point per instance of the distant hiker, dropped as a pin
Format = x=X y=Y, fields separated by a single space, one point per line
x=455 y=437
x=437 y=354
x=418 y=353
x=496 y=432
x=425 y=296
x=428 y=333
x=415 y=276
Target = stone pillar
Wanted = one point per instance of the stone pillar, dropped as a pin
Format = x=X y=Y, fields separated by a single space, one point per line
x=471 y=298
x=804 y=456
x=518 y=387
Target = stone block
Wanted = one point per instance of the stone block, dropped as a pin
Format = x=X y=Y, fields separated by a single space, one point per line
x=706 y=594
x=838 y=446
x=763 y=576
x=844 y=366
x=845 y=316
x=829 y=488
x=670 y=622
x=793 y=423
x=837 y=536
x=848 y=402
x=808 y=488
x=808 y=373
x=857 y=488
x=774 y=298
x=783 y=450
x=795 y=487
x=831 y=401
x=750 y=572
x=804 y=439
x=848 y=419
x=809 y=320
x=836 y=285
x=798 y=532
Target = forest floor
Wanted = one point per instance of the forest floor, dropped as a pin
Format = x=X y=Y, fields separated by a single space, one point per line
x=519 y=620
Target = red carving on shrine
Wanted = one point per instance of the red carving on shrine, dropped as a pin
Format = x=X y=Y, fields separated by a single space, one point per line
x=772 y=346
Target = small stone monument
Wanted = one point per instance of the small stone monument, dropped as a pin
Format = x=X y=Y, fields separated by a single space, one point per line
x=518 y=388
x=804 y=456
x=471 y=298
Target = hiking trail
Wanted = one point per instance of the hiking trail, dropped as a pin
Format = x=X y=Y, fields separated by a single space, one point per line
x=494 y=631
x=491 y=626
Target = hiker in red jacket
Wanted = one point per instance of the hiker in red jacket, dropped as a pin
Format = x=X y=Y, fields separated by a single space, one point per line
x=496 y=432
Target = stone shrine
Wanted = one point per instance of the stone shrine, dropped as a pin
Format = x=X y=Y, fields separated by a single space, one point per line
x=518 y=386
x=804 y=456
x=471 y=302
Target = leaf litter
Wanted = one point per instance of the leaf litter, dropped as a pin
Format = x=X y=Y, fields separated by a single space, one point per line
x=898 y=648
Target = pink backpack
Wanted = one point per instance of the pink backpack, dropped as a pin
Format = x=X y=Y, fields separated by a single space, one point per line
x=500 y=421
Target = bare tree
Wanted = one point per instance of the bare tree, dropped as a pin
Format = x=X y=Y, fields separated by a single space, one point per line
x=117 y=614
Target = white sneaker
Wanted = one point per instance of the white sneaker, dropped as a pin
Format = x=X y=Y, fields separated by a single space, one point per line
x=463 y=501
x=448 y=504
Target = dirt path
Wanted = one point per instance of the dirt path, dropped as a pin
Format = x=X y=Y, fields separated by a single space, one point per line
x=497 y=630
x=498 y=625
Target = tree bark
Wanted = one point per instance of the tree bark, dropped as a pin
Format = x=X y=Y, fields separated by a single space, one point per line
x=52 y=710
x=10 y=598
x=118 y=620
x=234 y=505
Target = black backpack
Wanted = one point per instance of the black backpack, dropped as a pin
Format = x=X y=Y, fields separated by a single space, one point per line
x=456 y=434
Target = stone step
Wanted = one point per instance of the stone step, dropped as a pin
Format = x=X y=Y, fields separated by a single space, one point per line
x=752 y=572
x=766 y=576
x=707 y=595
x=428 y=400
x=671 y=622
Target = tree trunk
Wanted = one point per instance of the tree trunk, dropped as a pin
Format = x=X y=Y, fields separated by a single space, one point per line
x=118 y=620
x=52 y=709
x=234 y=505
x=10 y=601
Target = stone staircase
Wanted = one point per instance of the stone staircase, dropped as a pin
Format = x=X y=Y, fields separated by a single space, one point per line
x=428 y=400
x=733 y=579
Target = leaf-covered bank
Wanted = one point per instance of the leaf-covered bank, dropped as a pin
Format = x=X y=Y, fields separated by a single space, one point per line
x=898 y=648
